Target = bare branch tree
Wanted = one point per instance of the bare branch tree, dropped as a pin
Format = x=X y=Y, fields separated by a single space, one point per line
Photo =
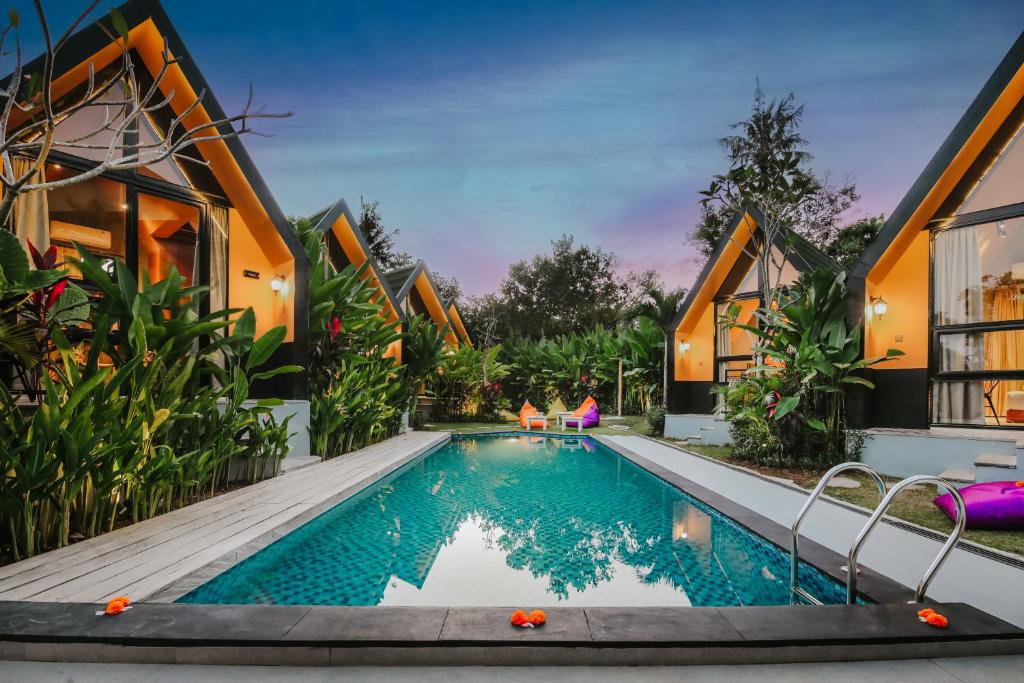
x=31 y=118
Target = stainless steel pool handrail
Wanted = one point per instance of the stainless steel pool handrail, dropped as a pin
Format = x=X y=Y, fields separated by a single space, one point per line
x=794 y=552
x=954 y=537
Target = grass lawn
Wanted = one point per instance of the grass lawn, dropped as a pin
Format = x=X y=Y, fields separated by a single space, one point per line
x=913 y=505
x=636 y=423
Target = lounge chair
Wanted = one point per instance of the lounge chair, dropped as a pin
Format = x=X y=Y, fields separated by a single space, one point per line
x=586 y=416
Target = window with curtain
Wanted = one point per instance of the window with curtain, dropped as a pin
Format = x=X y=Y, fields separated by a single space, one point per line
x=978 y=324
x=91 y=213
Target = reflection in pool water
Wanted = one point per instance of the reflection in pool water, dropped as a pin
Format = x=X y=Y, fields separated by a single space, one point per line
x=529 y=520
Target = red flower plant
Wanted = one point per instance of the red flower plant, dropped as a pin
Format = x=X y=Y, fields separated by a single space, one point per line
x=773 y=402
x=334 y=326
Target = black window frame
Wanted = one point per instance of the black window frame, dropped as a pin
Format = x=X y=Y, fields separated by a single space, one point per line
x=935 y=374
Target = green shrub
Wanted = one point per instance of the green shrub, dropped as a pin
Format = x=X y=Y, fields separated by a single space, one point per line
x=145 y=415
x=656 y=420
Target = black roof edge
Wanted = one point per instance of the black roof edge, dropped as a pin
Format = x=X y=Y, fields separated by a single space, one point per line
x=325 y=219
x=950 y=147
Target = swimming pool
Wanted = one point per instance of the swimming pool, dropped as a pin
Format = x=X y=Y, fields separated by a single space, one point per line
x=527 y=520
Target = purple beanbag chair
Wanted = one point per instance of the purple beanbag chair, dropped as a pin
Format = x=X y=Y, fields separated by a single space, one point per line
x=591 y=418
x=992 y=505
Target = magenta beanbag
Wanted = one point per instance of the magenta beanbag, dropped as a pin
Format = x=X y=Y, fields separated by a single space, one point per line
x=591 y=418
x=992 y=505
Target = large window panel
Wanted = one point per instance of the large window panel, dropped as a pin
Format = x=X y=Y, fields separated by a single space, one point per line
x=981 y=351
x=991 y=402
x=90 y=213
x=979 y=273
x=168 y=237
x=733 y=341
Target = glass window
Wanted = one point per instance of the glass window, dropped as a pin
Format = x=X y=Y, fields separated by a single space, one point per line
x=994 y=403
x=733 y=341
x=729 y=370
x=1001 y=185
x=781 y=271
x=91 y=213
x=979 y=273
x=168 y=237
x=749 y=283
x=93 y=126
x=167 y=170
x=981 y=351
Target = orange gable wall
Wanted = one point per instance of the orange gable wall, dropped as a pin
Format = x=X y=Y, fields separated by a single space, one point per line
x=698 y=325
x=354 y=252
x=904 y=287
x=434 y=307
x=453 y=314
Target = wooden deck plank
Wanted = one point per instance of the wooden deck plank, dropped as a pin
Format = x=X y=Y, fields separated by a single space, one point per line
x=143 y=558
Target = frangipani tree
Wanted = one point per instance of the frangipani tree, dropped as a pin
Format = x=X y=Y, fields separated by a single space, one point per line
x=33 y=113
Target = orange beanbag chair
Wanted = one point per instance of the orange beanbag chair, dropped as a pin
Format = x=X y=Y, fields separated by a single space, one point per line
x=528 y=411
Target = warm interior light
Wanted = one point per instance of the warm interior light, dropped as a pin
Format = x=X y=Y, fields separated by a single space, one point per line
x=684 y=346
x=878 y=306
x=276 y=283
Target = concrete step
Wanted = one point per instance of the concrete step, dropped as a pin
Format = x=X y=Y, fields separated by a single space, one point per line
x=959 y=474
x=996 y=460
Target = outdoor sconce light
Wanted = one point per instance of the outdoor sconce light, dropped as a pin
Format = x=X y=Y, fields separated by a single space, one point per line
x=684 y=346
x=277 y=283
x=878 y=306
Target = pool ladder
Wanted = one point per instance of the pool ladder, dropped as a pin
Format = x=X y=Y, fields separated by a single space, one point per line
x=799 y=593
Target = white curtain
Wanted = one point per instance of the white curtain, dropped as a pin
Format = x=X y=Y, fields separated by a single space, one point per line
x=218 y=258
x=31 y=211
x=958 y=300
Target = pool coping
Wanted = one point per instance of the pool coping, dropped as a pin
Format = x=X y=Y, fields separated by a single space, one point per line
x=157 y=632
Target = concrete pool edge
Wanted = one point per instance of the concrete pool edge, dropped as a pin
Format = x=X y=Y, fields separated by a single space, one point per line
x=322 y=636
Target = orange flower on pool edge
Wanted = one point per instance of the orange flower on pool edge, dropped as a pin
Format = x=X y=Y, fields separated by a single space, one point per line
x=519 y=618
x=937 y=620
x=537 y=617
x=1020 y=484
x=925 y=613
x=117 y=605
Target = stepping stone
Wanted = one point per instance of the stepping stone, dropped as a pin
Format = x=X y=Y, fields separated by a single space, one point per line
x=959 y=474
x=843 y=483
x=996 y=460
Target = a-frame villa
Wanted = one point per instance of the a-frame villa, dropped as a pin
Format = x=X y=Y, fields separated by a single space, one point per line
x=214 y=218
x=703 y=352
x=347 y=246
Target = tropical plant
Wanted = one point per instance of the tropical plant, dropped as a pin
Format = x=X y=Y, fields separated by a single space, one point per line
x=423 y=351
x=150 y=412
x=790 y=407
x=467 y=385
x=357 y=395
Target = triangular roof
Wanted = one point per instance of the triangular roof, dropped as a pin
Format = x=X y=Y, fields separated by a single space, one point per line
x=975 y=142
x=455 y=315
x=803 y=255
x=403 y=280
x=339 y=224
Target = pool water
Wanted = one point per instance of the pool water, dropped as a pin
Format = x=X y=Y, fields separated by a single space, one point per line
x=517 y=520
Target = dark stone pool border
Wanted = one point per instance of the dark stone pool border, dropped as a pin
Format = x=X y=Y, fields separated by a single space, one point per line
x=155 y=632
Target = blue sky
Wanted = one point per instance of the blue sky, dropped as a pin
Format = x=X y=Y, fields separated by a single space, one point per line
x=487 y=129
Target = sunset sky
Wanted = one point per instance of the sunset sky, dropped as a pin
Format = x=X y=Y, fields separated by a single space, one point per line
x=486 y=129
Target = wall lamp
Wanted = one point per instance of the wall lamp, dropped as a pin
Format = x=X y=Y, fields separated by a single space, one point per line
x=277 y=283
x=684 y=346
x=879 y=307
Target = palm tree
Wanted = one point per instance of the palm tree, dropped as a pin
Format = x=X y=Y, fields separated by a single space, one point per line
x=660 y=306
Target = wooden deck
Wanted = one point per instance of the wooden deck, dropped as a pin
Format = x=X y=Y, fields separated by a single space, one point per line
x=140 y=559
